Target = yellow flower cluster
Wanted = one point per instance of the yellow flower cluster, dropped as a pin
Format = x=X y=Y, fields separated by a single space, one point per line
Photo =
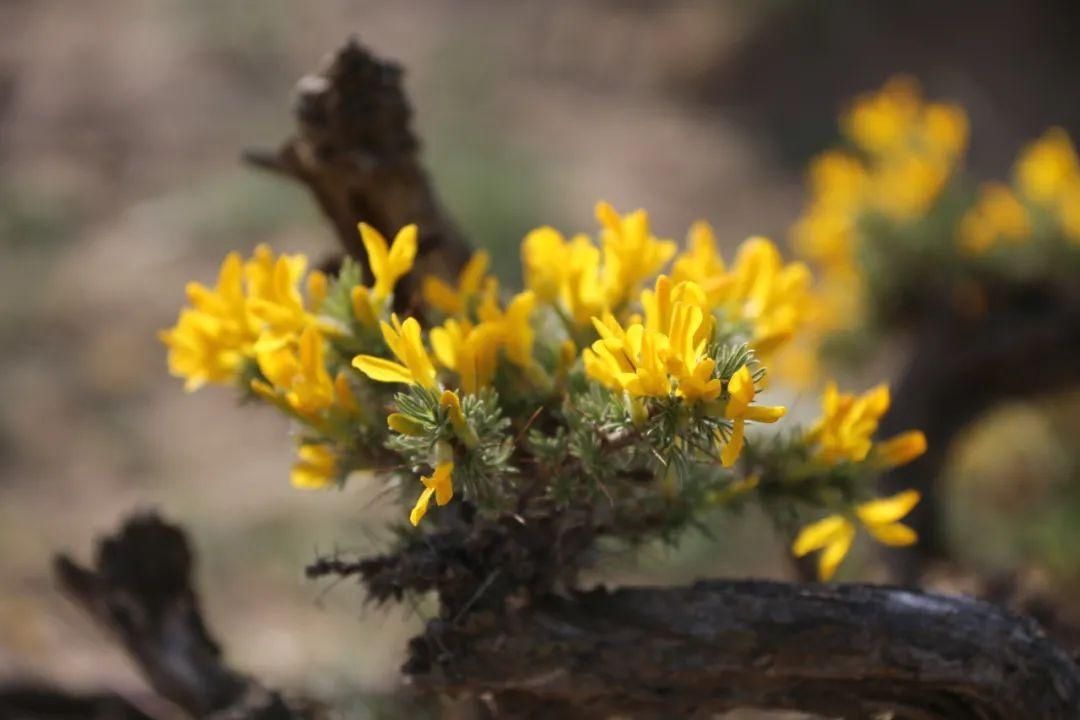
x=760 y=292
x=254 y=306
x=844 y=434
x=1046 y=178
x=256 y=315
x=680 y=339
x=834 y=534
x=905 y=150
x=998 y=214
x=583 y=282
x=847 y=424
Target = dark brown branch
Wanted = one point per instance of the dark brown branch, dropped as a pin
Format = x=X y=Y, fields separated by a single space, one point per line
x=140 y=590
x=38 y=702
x=842 y=651
x=355 y=150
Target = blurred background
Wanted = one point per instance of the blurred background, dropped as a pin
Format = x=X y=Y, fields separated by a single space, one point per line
x=121 y=126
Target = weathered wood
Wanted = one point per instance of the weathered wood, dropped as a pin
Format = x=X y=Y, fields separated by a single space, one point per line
x=853 y=651
x=140 y=590
x=355 y=150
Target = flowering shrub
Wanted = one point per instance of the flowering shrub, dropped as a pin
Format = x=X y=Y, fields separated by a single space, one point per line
x=603 y=385
x=893 y=224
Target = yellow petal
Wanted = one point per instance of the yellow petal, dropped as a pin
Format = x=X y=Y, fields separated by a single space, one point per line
x=472 y=275
x=734 y=446
x=901 y=449
x=362 y=306
x=741 y=389
x=887 y=510
x=765 y=413
x=893 y=534
x=441 y=296
x=421 y=507
x=441 y=482
x=404 y=425
x=835 y=552
x=317 y=284
x=403 y=251
x=377 y=250
x=382 y=370
x=818 y=534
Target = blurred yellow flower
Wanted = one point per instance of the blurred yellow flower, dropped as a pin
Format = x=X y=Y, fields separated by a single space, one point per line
x=1048 y=167
x=315 y=468
x=274 y=300
x=632 y=254
x=455 y=301
x=407 y=345
x=298 y=375
x=846 y=426
x=211 y=339
x=439 y=485
x=997 y=214
x=834 y=534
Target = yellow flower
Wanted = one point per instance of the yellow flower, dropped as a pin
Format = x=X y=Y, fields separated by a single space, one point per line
x=566 y=273
x=847 y=423
x=317 y=287
x=516 y=334
x=770 y=295
x=388 y=264
x=470 y=351
x=211 y=339
x=315 y=469
x=906 y=185
x=1048 y=167
x=881 y=122
x=632 y=359
x=455 y=301
x=439 y=485
x=405 y=342
x=274 y=301
x=363 y=306
x=741 y=393
x=543 y=258
x=701 y=262
x=998 y=213
x=632 y=254
x=300 y=377
x=835 y=533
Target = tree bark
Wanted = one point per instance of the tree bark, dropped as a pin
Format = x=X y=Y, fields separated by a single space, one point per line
x=140 y=590
x=852 y=651
x=355 y=150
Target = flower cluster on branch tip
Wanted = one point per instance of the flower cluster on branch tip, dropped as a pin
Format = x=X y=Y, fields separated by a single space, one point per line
x=626 y=377
x=893 y=205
